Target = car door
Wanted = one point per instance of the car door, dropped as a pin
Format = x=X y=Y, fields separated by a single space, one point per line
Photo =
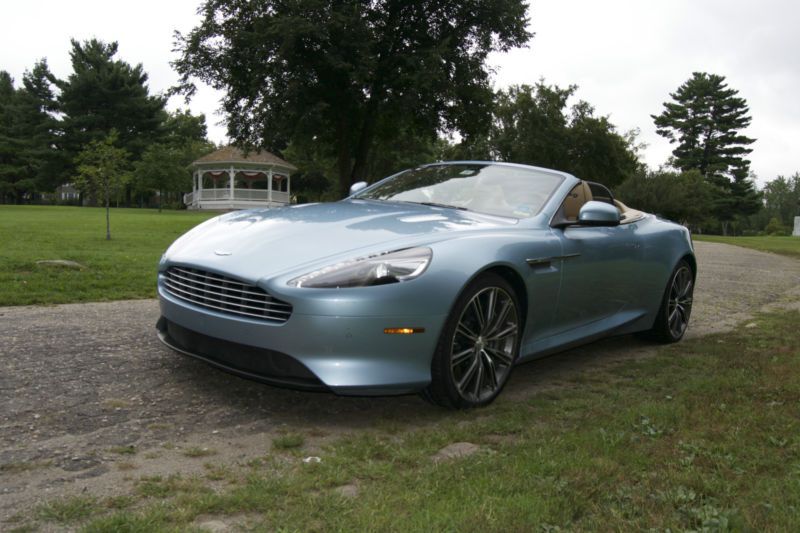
x=598 y=274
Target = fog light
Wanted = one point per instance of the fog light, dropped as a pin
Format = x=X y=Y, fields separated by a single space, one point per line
x=403 y=331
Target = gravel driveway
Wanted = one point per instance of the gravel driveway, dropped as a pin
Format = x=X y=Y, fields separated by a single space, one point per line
x=80 y=383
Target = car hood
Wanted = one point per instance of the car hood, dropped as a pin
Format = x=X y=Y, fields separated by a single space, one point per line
x=266 y=242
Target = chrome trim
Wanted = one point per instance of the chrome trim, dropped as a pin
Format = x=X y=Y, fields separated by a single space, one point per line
x=225 y=295
x=259 y=301
x=191 y=295
x=547 y=260
x=199 y=274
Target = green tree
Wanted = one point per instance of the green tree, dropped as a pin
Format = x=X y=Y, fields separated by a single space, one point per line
x=597 y=152
x=683 y=197
x=534 y=125
x=160 y=169
x=742 y=198
x=315 y=180
x=102 y=171
x=39 y=129
x=342 y=73
x=104 y=94
x=164 y=167
x=27 y=134
x=182 y=127
x=531 y=125
x=782 y=199
x=705 y=119
x=775 y=227
x=11 y=166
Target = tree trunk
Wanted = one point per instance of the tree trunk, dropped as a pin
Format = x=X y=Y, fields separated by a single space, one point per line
x=343 y=157
x=160 y=199
x=108 y=218
x=365 y=141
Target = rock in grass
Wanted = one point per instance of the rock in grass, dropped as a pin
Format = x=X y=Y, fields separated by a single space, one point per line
x=455 y=451
x=214 y=526
x=61 y=263
x=347 y=491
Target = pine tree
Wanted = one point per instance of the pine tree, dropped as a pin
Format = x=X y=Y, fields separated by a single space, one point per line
x=37 y=127
x=104 y=94
x=27 y=134
x=10 y=164
x=705 y=120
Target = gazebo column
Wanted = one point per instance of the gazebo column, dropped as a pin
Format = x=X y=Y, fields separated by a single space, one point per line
x=269 y=187
x=232 y=174
x=288 y=189
x=194 y=189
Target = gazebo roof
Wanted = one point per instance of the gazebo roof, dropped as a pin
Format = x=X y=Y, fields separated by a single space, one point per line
x=231 y=154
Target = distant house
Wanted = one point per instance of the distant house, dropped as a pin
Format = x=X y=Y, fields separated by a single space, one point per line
x=229 y=179
x=67 y=193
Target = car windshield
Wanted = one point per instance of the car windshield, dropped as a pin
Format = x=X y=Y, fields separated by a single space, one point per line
x=501 y=190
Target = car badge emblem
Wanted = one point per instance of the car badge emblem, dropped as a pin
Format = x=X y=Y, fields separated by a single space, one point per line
x=222 y=252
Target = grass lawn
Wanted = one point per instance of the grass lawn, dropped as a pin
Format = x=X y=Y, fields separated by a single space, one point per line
x=704 y=436
x=124 y=267
x=780 y=245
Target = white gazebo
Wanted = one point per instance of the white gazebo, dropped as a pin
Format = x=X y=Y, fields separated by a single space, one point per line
x=229 y=179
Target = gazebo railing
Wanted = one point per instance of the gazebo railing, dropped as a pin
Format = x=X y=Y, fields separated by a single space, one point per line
x=280 y=197
x=252 y=195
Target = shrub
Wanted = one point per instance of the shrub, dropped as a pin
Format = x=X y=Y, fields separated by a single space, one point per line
x=775 y=227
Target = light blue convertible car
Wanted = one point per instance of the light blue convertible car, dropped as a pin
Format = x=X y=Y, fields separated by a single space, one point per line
x=438 y=280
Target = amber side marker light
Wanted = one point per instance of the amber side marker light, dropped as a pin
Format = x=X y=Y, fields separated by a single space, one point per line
x=403 y=331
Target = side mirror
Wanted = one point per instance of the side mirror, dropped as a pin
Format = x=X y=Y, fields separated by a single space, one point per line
x=598 y=214
x=354 y=188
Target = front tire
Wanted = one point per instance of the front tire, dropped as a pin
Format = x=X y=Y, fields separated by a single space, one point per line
x=478 y=345
x=676 y=306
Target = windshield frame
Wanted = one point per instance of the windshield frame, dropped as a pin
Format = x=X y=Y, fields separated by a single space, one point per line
x=560 y=176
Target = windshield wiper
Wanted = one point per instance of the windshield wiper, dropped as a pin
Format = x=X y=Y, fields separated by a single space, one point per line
x=446 y=206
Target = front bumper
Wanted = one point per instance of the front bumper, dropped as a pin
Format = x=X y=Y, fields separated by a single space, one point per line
x=344 y=354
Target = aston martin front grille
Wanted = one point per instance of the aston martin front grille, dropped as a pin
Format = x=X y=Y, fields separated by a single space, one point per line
x=225 y=295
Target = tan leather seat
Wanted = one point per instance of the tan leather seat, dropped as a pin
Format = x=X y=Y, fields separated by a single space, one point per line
x=628 y=215
x=579 y=195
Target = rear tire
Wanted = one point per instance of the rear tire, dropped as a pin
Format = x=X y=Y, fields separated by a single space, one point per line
x=478 y=345
x=676 y=306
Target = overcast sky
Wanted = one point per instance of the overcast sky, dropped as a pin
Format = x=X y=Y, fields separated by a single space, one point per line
x=626 y=56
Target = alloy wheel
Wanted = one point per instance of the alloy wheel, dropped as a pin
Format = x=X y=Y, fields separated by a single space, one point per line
x=483 y=348
x=679 y=304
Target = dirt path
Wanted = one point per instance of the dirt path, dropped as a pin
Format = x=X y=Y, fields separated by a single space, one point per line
x=79 y=383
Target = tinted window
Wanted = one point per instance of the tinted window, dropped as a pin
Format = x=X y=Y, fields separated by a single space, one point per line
x=600 y=193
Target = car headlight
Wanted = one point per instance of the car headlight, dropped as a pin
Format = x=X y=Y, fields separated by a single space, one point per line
x=379 y=269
